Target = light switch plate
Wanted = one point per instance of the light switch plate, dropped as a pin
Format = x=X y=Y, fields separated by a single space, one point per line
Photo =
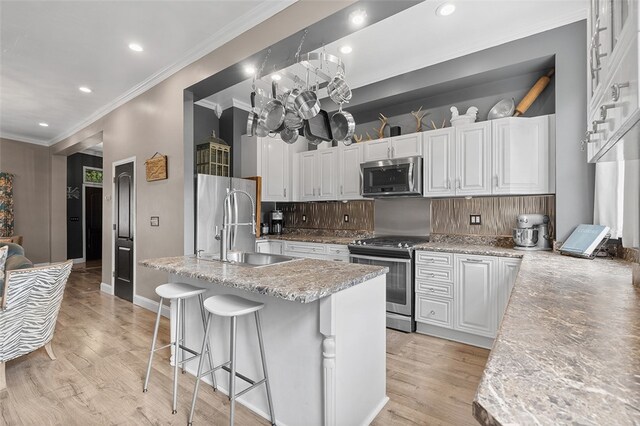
x=346 y=218
x=304 y=217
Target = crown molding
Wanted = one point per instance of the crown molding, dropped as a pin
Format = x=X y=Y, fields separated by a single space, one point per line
x=20 y=138
x=207 y=104
x=233 y=102
x=225 y=34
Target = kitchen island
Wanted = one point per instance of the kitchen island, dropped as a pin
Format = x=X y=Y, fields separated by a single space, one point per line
x=324 y=330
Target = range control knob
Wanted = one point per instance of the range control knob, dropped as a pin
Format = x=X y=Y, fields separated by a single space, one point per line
x=359 y=242
x=364 y=243
x=406 y=245
x=400 y=245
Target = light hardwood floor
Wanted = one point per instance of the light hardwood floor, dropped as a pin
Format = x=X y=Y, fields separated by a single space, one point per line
x=102 y=345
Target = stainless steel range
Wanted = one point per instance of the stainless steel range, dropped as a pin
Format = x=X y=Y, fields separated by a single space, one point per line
x=396 y=253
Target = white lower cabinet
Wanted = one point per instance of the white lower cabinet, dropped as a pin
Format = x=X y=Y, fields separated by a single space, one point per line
x=269 y=247
x=462 y=297
x=475 y=295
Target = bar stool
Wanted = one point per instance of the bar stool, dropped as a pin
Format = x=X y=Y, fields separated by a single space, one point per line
x=227 y=305
x=177 y=292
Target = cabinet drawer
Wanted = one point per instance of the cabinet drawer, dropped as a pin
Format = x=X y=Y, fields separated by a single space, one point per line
x=435 y=289
x=434 y=258
x=432 y=310
x=337 y=250
x=434 y=274
x=304 y=248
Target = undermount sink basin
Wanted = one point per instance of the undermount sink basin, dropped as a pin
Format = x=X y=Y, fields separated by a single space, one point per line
x=253 y=260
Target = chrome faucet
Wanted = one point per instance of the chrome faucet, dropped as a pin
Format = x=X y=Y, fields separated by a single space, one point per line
x=223 y=236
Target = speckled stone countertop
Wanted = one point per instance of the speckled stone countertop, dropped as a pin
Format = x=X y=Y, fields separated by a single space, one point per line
x=300 y=280
x=568 y=348
x=470 y=249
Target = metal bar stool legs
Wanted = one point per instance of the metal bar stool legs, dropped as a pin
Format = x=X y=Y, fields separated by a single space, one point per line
x=230 y=366
x=177 y=340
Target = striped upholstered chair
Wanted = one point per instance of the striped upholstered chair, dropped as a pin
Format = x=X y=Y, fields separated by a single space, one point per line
x=29 y=311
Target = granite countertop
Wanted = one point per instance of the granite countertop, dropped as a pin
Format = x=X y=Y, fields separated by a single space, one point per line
x=568 y=348
x=484 y=250
x=300 y=280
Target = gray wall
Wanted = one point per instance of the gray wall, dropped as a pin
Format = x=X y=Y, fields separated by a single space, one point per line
x=233 y=124
x=31 y=195
x=204 y=121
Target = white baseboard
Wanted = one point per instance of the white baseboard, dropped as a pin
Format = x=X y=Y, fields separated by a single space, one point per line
x=151 y=305
x=376 y=411
x=78 y=260
x=106 y=288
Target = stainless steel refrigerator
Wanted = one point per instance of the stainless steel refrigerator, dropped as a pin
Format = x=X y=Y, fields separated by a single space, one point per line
x=211 y=193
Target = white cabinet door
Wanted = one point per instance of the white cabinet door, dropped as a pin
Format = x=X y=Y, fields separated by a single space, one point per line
x=379 y=149
x=350 y=159
x=406 y=145
x=473 y=153
x=507 y=273
x=275 y=170
x=439 y=162
x=475 y=295
x=520 y=155
x=307 y=175
x=327 y=174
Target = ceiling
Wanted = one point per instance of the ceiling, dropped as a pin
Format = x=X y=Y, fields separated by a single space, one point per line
x=417 y=38
x=51 y=48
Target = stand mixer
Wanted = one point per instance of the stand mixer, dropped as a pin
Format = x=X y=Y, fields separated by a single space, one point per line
x=532 y=232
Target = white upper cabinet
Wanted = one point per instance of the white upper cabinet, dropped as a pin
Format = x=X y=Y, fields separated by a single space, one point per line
x=475 y=295
x=376 y=150
x=439 y=162
x=327 y=164
x=270 y=158
x=520 y=163
x=318 y=174
x=349 y=179
x=473 y=154
x=396 y=147
x=406 y=145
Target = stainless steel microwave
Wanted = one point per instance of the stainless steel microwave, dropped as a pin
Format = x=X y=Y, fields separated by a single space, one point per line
x=392 y=178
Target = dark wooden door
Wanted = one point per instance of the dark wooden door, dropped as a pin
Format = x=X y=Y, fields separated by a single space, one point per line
x=123 y=255
x=93 y=222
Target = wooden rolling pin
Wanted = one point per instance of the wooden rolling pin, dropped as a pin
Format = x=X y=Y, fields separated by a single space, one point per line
x=533 y=93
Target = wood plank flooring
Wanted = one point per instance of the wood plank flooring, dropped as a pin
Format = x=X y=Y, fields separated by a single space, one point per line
x=102 y=346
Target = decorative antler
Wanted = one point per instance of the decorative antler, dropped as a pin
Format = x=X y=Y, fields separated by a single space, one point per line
x=368 y=136
x=419 y=115
x=384 y=121
x=358 y=138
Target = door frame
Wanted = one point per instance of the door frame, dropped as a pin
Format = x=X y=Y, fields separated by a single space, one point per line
x=133 y=221
x=84 y=204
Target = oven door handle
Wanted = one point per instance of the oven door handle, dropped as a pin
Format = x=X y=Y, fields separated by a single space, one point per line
x=411 y=182
x=386 y=259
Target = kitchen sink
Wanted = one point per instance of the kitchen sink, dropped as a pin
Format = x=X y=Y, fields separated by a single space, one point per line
x=249 y=259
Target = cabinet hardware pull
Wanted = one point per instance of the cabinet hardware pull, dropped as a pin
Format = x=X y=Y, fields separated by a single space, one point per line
x=495 y=180
x=615 y=90
x=285 y=193
x=393 y=151
x=388 y=152
x=431 y=274
x=459 y=184
x=429 y=260
x=603 y=110
x=474 y=260
x=341 y=192
x=431 y=289
x=432 y=313
x=448 y=183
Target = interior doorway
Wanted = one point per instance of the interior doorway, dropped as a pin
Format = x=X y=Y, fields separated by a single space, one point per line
x=124 y=208
x=92 y=225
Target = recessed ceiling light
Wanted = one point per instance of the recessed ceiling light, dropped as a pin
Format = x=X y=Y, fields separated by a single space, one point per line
x=135 y=47
x=357 y=17
x=249 y=69
x=84 y=89
x=43 y=124
x=346 y=49
x=276 y=77
x=445 y=9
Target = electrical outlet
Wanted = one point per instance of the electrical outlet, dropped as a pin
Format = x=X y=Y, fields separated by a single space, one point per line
x=346 y=218
x=304 y=217
x=475 y=219
x=155 y=220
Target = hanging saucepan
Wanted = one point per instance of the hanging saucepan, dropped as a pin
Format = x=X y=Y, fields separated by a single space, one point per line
x=307 y=103
x=272 y=115
x=338 y=90
x=342 y=126
x=289 y=135
x=252 y=120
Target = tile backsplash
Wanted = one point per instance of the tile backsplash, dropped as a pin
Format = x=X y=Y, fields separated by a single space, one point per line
x=329 y=215
x=498 y=214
